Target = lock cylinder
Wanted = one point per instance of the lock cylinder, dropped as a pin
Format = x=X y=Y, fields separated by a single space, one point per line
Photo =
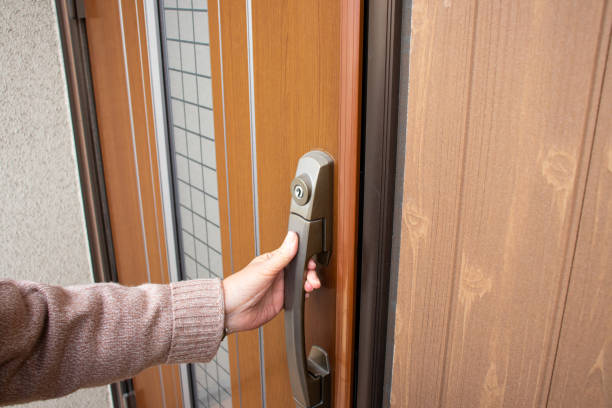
x=300 y=189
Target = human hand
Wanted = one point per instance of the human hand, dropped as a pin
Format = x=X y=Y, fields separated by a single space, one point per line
x=255 y=294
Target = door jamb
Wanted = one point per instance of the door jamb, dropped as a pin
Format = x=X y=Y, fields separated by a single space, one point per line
x=381 y=65
x=73 y=35
x=75 y=50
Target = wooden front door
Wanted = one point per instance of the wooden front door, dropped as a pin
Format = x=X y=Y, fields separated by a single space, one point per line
x=505 y=277
x=204 y=108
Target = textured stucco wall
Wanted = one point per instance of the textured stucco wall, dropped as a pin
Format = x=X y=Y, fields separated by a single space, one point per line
x=43 y=235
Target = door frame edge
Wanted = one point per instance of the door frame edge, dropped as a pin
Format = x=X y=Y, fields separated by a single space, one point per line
x=380 y=103
x=72 y=32
x=154 y=26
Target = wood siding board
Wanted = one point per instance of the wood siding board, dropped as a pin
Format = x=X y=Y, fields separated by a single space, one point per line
x=492 y=310
x=581 y=373
x=433 y=164
x=517 y=215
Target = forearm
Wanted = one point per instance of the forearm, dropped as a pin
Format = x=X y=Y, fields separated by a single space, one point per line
x=55 y=340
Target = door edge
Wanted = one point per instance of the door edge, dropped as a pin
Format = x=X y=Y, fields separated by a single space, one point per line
x=381 y=67
x=75 y=57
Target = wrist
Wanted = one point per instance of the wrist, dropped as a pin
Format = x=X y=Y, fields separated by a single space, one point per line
x=227 y=305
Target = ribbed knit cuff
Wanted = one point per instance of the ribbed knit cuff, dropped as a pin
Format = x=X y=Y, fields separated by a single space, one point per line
x=198 y=320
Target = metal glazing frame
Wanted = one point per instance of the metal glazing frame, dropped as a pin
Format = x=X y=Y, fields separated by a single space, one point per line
x=378 y=161
x=73 y=36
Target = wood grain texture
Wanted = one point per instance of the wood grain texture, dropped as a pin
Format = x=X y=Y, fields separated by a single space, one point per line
x=501 y=113
x=127 y=137
x=295 y=47
x=351 y=22
x=297 y=75
x=581 y=377
x=222 y=178
x=303 y=64
x=435 y=128
x=316 y=114
x=232 y=132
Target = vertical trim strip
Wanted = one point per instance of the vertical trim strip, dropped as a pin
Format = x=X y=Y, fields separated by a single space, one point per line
x=249 y=21
x=144 y=236
x=381 y=64
x=75 y=52
x=159 y=117
x=227 y=189
x=129 y=94
x=163 y=160
x=252 y=123
x=348 y=196
x=146 y=112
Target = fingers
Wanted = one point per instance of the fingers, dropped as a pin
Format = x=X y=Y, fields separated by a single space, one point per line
x=312 y=281
x=280 y=257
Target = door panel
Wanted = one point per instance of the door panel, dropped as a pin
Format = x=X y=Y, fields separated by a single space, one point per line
x=283 y=78
x=227 y=23
x=295 y=107
x=296 y=102
x=118 y=56
x=502 y=107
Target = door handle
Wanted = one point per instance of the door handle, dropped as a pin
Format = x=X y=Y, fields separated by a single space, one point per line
x=311 y=218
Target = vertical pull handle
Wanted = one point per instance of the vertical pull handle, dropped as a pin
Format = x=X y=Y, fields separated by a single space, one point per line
x=311 y=218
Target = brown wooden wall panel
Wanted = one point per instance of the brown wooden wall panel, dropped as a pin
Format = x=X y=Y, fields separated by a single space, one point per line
x=501 y=114
x=232 y=98
x=433 y=162
x=581 y=377
x=534 y=93
x=120 y=73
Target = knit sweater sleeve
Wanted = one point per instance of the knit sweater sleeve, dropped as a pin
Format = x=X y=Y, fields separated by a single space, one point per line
x=54 y=340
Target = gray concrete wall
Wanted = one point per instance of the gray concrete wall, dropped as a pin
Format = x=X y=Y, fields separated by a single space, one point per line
x=42 y=225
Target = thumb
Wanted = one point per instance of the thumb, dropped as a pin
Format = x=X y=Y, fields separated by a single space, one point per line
x=280 y=257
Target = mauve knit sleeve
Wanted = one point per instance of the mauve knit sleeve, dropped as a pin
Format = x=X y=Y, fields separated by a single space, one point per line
x=54 y=340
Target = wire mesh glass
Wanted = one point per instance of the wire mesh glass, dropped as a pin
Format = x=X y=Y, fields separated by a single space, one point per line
x=185 y=41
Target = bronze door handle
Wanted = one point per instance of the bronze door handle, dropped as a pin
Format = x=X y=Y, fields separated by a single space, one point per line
x=311 y=218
